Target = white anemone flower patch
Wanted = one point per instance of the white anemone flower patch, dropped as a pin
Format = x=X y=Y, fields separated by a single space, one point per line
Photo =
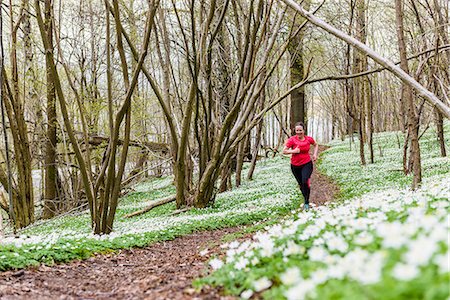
x=386 y=232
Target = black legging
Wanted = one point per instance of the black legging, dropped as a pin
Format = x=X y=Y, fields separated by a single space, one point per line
x=303 y=174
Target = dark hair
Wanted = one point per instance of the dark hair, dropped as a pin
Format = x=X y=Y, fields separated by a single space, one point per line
x=300 y=124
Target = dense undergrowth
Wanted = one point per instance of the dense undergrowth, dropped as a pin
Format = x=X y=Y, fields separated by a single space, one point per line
x=380 y=240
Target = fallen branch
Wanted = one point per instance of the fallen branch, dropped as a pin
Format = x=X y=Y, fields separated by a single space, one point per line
x=98 y=140
x=179 y=211
x=151 y=206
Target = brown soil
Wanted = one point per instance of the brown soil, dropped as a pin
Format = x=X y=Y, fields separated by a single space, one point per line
x=322 y=188
x=160 y=271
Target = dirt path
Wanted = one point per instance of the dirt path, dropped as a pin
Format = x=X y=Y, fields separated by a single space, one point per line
x=161 y=271
x=322 y=189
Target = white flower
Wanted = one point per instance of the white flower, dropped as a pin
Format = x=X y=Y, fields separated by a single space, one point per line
x=405 y=272
x=300 y=290
x=429 y=222
x=337 y=243
x=292 y=248
x=290 y=230
x=262 y=284
x=320 y=276
x=331 y=220
x=439 y=233
x=216 y=263
x=204 y=252
x=309 y=232
x=241 y=263
x=266 y=244
x=393 y=235
x=291 y=276
x=246 y=294
x=254 y=261
x=318 y=242
x=349 y=231
x=276 y=230
x=233 y=245
x=440 y=204
x=244 y=247
x=420 y=251
x=336 y=272
x=360 y=266
x=230 y=255
x=443 y=262
x=363 y=239
x=372 y=269
x=317 y=254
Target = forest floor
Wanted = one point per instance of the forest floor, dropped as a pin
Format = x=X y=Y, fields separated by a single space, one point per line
x=163 y=270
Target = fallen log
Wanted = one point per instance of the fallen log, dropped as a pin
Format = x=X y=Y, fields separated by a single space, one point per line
x=151 y=206
x=102 y=142
x=179 y=211
x=97 y=140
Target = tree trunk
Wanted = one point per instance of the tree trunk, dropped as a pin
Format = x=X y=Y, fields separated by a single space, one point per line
x=370 y=128
x=50 y=192
x=257 y=144
x=360 y=65
x=242 y=152
x=225 y=176
x=298 y=108
x=407 y=95
x=440 y=131
x=224 y=93
x=441 y=25
x=23 y=201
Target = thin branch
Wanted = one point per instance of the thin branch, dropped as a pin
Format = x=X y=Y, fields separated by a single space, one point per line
x=368 y=72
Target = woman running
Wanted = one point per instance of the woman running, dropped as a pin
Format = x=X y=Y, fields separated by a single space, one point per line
x=301 y=164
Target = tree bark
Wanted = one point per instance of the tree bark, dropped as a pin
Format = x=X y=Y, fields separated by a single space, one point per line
x=408 y=97
x=23 y=201
x=298 y=96
x=257 y=144
x=359 y=86
x=50 y=179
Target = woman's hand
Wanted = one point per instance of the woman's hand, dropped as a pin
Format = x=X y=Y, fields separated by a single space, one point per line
x=286 y=150
x=316 y=151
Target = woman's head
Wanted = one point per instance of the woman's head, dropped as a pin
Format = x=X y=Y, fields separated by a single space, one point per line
x=299 y=128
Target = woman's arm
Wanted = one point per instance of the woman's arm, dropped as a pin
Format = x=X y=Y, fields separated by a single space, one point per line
x=316 y=150
x=287 y=150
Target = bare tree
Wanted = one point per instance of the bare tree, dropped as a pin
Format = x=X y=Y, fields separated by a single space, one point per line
x=359 y=83
x=50 y=192
x=22 y=191
x=103 y=209
x=408 y=97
